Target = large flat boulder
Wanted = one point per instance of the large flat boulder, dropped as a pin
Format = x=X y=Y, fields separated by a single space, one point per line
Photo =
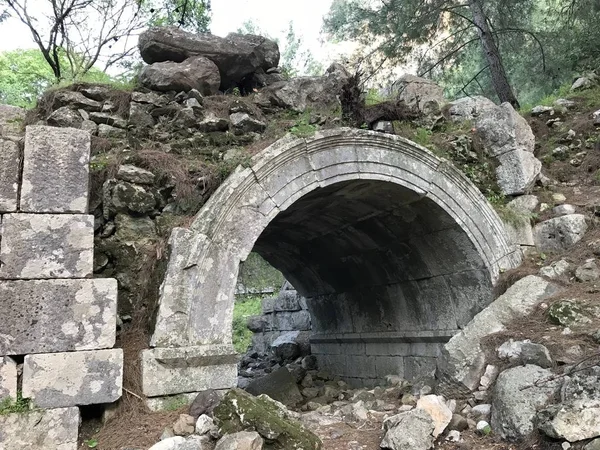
x=195 y=72
x=237 y=55
x=409 y=430
x=280 y=385
x=240 y=411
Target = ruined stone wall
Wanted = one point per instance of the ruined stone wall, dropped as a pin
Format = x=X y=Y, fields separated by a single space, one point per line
x=58 y=323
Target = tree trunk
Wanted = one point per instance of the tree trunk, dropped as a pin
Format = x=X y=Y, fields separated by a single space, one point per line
x=492 y=55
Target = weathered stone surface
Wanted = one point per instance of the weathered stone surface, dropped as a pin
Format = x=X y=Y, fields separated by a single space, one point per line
x=517 y=172
x=587 y=272
x=241 y=411
x=574 y=421
x=525 y=352
x=184 y=425
x=300 y=93
x=211 y=123
x=139 y=115
x=205 y=402
x=52 y=429
x=167 y=371
x=243 y=440
x=408 y=430
x=279 y=385
x=470 y=108
x=60 y=315
x=516 y=400
x=8 y=378
x=246 y=124
x=556 y=269
x=560 y=233
x=286 y=346
x=236 y=55
x=56 y=380
x=133 y=174
x=520 y=230
x=194 y=73
x=524 y=203
x=65 y=117
x=436 y=407
x=47 y=246
x=75 y=100
x=567 y=313
x=55 y=170
x=463 y=357
x=9 y=175
x=110 y=132
x=204 y=424
x=11 y=120
x=420 y=93
x=126 y=197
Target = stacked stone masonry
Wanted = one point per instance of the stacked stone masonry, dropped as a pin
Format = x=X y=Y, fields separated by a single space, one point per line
x=57 y=320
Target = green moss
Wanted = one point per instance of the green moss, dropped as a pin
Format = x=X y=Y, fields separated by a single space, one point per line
x=240 y=411
x=175 y=403
x=566 y=313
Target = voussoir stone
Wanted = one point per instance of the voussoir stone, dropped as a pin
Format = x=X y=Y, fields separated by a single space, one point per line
x=47 y=246
x=52 y=429
x=61 y=315
x=196 y=72
x=236 y=55
x=56 y=380
x=55 y=170
x=9 y=175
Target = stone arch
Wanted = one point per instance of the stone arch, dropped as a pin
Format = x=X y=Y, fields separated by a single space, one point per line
x=282 y=182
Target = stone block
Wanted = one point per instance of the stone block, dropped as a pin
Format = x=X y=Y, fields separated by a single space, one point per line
x=9 y=175
x=56 y=380
x=46 y=246
x=55 y=170
x=60 y=315
x=53 y=429
x=167 y=371
x=8 y=378
x=11 y=120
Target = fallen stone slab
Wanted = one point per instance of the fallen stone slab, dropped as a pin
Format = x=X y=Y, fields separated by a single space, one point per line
x=52 y=429
x=408 y=430
x=168 y=371
x=239 y=411
x=560 y=233
x=47 y=246
x=243 y=440
x=463 y=359
x=280 y=385
x=574 y=421
x=55 y=170
x=60 y=315
x=8 y=378
x=236 y=55
x=57 y=380
x=9 y=175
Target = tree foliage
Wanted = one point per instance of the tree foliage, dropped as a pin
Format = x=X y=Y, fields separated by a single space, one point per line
x=25 y=75
x=190 y=15
x=542 y=43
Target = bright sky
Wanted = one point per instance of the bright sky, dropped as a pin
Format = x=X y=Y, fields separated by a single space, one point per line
x=272 y=16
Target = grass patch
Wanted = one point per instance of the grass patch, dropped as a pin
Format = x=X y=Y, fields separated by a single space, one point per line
x=20 y=405
x=249 y=306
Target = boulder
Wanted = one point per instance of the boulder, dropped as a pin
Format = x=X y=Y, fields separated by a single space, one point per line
x=560 y=233
x=280 y=385
x=286 y=347
x=236 y=56
x=65 y=117
x=436 y=407
x=573 y=421
x=204 y=403
x=74 y=100
x=420 y=94
x=517 y=398
x=463 y=359
x=128 y=197
x=184 y=425
x=242 y=440
x=301 y=93
x=133 y=174
x=525 y=352
x=587 y=272
x=470 y=108
x=194 y=73
x=240 y=411
x=556 y=269
x=517 y=172
x=408 y=430
x=204 y=424
x=567 y=313
x=243 y=123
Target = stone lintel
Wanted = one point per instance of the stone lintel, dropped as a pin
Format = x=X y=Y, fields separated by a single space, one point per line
x=168 y=371
x=49 y=316
x=57 y=380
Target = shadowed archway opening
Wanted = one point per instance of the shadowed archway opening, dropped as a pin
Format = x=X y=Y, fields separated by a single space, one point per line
x=388 y=276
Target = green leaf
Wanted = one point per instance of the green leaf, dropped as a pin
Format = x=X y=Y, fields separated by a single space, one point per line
x=92 y=443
